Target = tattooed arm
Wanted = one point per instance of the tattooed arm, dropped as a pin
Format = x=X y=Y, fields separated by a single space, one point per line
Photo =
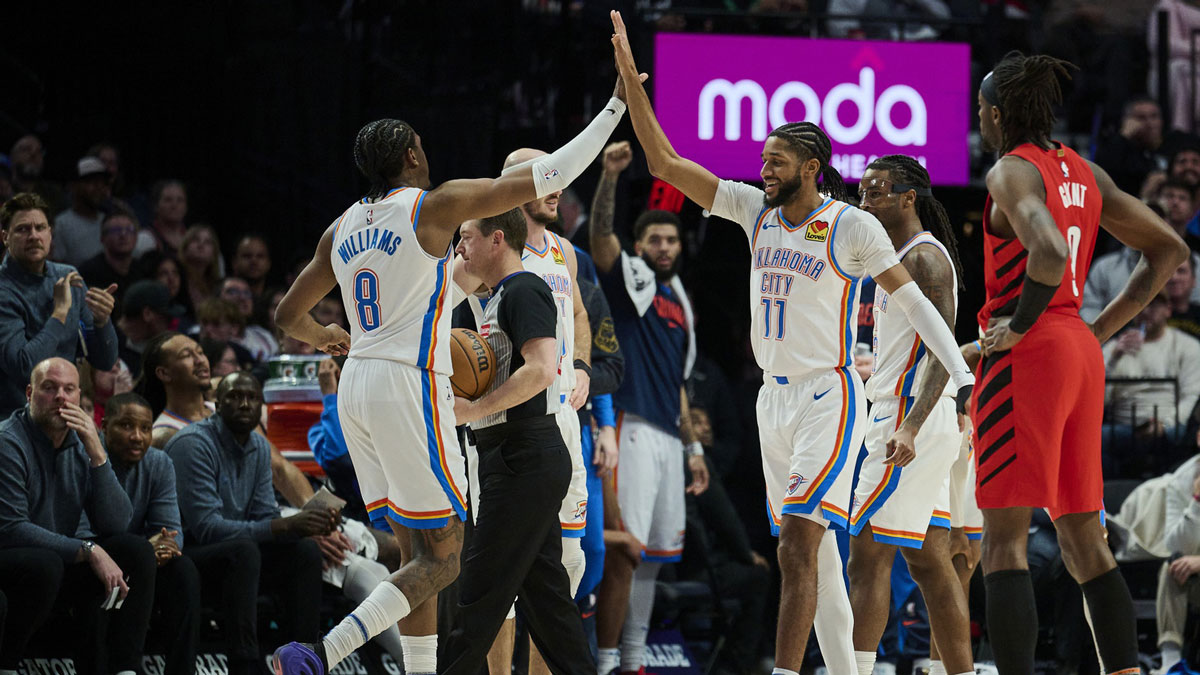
x=606 y=248
x=934 y=276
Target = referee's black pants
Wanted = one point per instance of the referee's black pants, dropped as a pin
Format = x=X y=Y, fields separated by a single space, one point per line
x=516 y=550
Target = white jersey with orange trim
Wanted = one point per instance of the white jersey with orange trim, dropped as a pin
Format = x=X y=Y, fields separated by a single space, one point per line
x=394 y=292
x=901 y=357
x=805 y=278
x=550 y=263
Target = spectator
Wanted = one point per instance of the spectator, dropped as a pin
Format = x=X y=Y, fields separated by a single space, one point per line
x=175 y=376
x=328 y=445
x=28 y=160
x=147 y=312
x=53 y=469
x=1185 y=314
x=252 y=262
x=170 y=201
x=1131 y=154
x=104 y=384
x=235 y=534
x=1108 y=276
x=221 y=358
x=328 y=311
x=1184 y=17
x=219 y=319
x=718 y=412
x=1178 y=205
x=166 y=269
x=1185 y=165
x=200 y=258
x=45 y=308
x=913 y=10
x=78 y=227
x=255 y=339
x=1150 y=411
x=114 y=263
x=148 y=477
x=1177 y=590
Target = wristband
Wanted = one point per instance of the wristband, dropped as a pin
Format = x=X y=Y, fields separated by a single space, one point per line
x=978 y=345
x=694 y=449
x=580 y=364
x=1035 y=296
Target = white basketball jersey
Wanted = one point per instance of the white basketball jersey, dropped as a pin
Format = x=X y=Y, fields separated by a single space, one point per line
x=550 y=263
x=804 y=279
x=395 y=294
x=901 y=357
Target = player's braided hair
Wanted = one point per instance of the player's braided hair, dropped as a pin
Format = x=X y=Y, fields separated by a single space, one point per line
x=1028 y=89
x=148 y=384
x=807 y=140
x=908 y=171
x=379 y=151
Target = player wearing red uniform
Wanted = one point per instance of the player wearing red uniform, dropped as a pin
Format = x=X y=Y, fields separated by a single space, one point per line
x=1039 y=401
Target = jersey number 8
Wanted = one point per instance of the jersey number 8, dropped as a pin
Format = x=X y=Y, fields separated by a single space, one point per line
x=366 y=299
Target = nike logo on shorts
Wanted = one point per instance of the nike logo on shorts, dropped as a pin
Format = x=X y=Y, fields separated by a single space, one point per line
x=817 y=397
x=880 y=419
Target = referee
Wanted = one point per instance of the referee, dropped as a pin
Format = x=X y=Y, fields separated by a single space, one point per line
x=524 y=466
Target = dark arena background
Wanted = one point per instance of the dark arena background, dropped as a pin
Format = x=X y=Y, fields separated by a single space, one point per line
x=254 y=107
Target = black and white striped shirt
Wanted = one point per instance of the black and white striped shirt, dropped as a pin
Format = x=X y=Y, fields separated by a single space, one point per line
x=520 y=309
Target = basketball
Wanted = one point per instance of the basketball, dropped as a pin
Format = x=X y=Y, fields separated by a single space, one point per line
x=473 y=362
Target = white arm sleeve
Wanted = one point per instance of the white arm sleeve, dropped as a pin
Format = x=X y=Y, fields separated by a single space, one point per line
x=741 y=203
x=932 y=328
x=557 y=170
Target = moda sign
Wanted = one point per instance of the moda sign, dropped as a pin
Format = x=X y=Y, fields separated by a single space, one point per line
x=718 y=97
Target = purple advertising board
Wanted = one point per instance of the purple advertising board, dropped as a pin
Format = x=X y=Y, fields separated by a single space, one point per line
x=718 y=96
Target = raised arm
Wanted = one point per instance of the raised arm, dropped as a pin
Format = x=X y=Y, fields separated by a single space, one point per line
x=1136 y=226
x=693 y=180
x=606 y=248
x=456 y=201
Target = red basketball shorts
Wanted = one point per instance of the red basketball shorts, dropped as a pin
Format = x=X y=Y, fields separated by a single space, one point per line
x=1037 y=411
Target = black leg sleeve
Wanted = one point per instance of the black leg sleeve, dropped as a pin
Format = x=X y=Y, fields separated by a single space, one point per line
x=1012 y=620
x=1113 y=620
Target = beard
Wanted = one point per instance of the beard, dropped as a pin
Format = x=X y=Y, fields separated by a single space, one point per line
x=663 y=276
x=541 y=217
x=784 y=193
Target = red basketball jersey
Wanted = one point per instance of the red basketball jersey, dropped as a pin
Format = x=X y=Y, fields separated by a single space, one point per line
x=1074 y=201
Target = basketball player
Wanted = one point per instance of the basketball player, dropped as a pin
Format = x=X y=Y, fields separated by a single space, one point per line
x=524 y=467
x=1038 y=408
x=390 y=253
x=809 y=254
x=903 y=494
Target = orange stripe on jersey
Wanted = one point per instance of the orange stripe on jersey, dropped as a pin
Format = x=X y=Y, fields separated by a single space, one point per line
x=844 y=309
x=757 y=226
x=836 y=509
x=842 y=431
x=420 y=515
x=441 y=447
x=437 y=316
x=899 y=534
x=912 y=363
x=883 y=483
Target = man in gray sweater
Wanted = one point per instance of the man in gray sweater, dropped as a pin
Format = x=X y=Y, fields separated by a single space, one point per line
x=53 y=469
x=45 y=308
x=235 y=534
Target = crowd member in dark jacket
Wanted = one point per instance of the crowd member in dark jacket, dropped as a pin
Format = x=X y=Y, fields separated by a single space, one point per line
x=53 y=469
x=45 y=308
x=236 y=536
x=148 y=477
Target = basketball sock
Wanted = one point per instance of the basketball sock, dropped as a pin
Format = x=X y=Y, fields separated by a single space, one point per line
x=921 y=663
x=384 y=607
x=783 y=671
x=1011 y=619
x=1171 y=654
x=420 y=654
x=833 y=622
x=864 y=662
x=637 y=620
x=1113 y=621
x=610 y=658
x=936 y=667
x=362 y=576
x=573 y=561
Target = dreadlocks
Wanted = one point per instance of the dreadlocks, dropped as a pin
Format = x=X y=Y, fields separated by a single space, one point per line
x=379 y=152
x=1028 y=89
x=148 y=384
x=906 y=170
x=807 y=140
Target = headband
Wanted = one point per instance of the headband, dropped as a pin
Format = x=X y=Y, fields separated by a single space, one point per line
x=988 y=89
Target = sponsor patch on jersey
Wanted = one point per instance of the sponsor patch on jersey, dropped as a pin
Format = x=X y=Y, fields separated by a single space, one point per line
x=605 y=338
x=558 y=256
x=817 y=231
x=485 y=330
x=580 y=510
